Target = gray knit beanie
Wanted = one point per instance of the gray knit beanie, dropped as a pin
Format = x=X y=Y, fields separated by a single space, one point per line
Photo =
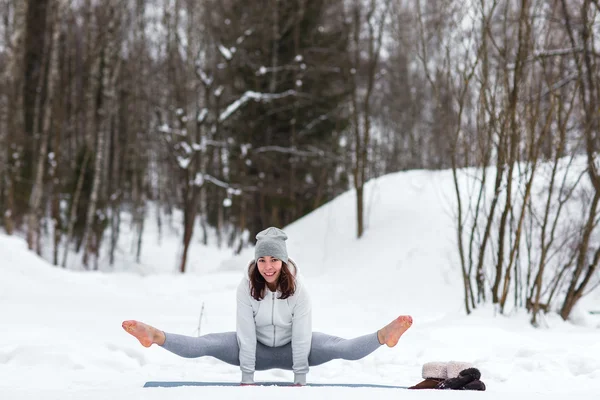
x=271 y=242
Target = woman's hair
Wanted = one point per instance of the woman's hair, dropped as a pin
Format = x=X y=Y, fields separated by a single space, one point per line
x=286 y=284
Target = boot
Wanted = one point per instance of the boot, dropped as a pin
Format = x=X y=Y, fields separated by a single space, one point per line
x=475 y=385
x=467 y=379
x=433 y=374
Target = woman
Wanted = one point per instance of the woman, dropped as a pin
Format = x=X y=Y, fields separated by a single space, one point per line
x=274 y=324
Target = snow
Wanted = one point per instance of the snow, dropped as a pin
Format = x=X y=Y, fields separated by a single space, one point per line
x=225 y=52
x=251 y=95
x=183 y=162
x=206 y=80
x=186 y=147
x=199 y=180
x=164 y=128
x=62 y=337
x=202 y=115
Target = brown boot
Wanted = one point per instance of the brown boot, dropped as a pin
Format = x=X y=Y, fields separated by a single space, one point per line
x=433 y=373
x=428 y=383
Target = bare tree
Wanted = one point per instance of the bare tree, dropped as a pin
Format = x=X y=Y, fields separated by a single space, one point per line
x=550 y=219
x=108 y=72
x=589 y=91
x=56 y=12
x=5 y=99
x=15 y=110
x=371 y=16
x=524 y=101
x=74 y=205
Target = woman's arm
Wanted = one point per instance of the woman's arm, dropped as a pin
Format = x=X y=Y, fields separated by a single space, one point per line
x=301 y=334
x=246 y=332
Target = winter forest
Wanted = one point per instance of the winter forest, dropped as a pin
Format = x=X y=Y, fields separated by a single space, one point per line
x=247 y=114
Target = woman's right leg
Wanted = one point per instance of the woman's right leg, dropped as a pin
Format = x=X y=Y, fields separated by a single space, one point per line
x=222 y=346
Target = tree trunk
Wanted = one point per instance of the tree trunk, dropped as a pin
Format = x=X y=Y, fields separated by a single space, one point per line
x=545 y=243
x=108 y=73
x=74 y=205
x=15 y=110
x=98 y=162
x=59 y=125
x=589 y=92
x=513 y=140
x=142 y=218
x=189 y=218
x=357 y=168
x=362 y=142
x=576 y=288
x=36 y=193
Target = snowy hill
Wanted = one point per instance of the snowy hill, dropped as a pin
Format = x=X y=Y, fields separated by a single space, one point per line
x=62 y=338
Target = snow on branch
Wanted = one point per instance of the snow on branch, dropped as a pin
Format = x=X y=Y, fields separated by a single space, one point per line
x=186 y=147
x=556 y=52
x=250 y=95
x=226 y=53
x=164 y=128
x=216 y=143
x=311 y=151
x=559 y=84
x=290 y=150
x=202 y=116
x=199 y=179
x=537 y=54
x=231 y=189
x=198 y=147
x=206 y=80
x=216 y=181
x=264 y=70
x=183 y=162
x=313 y=123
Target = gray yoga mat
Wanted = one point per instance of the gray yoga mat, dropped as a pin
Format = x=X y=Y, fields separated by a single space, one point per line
x=191 y=383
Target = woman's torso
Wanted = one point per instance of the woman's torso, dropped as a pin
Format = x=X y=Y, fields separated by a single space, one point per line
x=273 y=319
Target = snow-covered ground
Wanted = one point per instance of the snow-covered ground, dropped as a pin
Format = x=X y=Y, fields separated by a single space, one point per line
x=61 y=335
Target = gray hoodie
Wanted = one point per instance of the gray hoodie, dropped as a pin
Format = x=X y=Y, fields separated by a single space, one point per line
x=274 y=322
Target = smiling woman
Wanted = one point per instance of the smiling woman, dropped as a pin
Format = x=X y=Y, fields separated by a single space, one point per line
x=273 y=323
x=274 y=274
x=269 y=270
x=271 y=265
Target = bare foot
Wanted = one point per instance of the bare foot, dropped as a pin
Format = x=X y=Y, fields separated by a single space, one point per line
x=146 y=334
x=390 y=334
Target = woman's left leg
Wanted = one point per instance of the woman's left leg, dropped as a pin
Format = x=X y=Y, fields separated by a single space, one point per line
x=325 y=348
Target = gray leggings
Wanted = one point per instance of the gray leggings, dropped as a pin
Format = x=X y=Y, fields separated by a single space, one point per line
x=224 y=346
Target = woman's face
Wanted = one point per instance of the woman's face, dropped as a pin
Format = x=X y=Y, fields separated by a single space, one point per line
x=270 y=269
